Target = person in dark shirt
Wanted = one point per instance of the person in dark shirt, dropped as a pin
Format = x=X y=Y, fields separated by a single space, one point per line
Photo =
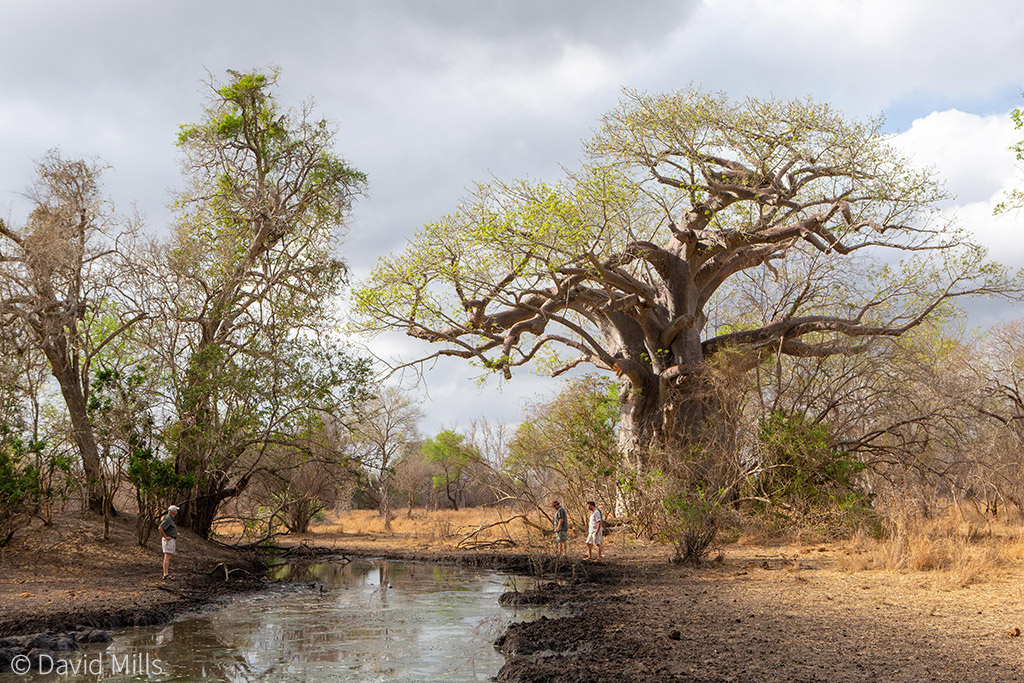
x=169 y=537
x=561 y=526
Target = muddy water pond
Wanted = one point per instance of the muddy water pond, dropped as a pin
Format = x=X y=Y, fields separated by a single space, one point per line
x=365 y=620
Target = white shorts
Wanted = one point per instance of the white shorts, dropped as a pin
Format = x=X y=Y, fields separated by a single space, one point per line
x=595 y=538
x=168 y=545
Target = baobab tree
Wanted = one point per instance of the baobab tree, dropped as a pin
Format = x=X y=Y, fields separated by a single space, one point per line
x=683 y=198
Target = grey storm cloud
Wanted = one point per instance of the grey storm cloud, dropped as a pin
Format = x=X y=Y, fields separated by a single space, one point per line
x=114 y=79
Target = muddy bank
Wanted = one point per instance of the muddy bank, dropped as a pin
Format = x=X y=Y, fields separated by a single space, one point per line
x=65 y=577
x=140 y=607
x=798 y=621
x=37 y=648
x=565 y=648
x=537 y=564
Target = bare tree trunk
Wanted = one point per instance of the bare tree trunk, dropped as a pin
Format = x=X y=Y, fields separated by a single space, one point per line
x=385 y=504
x=82 y=432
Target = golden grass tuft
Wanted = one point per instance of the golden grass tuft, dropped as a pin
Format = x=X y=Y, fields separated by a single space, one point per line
x=958 y=550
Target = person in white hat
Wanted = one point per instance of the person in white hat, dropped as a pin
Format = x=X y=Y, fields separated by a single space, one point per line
x=169 y=532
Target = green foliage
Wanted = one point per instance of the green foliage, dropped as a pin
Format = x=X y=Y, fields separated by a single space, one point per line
x=20 y=487
x=453 y=457
x=249 y=158
x=566 y=447
x=800 y=464
x=691 y=523
x=120 y=407
x=152 y=476
x=579 y=426
x=802 y=470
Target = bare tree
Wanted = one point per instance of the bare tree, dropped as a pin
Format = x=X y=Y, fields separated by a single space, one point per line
x=412 y=474
x=59 y=282
x=991 y=385
x=386 y=427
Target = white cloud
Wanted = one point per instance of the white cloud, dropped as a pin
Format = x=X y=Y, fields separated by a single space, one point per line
x=971 y=153
x=862 y=56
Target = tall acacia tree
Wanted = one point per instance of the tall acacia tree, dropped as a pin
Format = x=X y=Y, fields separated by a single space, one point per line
x=684 y=198
x=254 y=278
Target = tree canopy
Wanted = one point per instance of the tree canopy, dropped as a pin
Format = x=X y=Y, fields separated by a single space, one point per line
x=696 y=225
x=253 y=278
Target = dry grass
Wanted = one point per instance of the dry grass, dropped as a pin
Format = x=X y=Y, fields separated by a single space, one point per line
x=958 y=550
x=438 y=528
x=442 y=530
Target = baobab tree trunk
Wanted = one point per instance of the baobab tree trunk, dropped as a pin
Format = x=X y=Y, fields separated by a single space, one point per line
x=666 y=401
x=668 y=418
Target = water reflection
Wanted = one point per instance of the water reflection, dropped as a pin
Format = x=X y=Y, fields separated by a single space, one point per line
x=334 y=620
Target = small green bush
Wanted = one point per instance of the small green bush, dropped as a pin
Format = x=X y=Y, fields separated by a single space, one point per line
x=691 y=523
x=802 y=472
x=20 y=489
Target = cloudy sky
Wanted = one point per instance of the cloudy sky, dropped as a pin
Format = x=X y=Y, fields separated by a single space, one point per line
x=432 y=95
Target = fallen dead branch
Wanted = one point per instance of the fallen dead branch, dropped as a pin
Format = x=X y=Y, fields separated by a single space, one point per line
x=467 y=540
x=228 y=571
x=496 y=544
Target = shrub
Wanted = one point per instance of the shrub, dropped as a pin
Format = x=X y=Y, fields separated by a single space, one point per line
x=691 y=523
x=20 y=488
x=801 y=471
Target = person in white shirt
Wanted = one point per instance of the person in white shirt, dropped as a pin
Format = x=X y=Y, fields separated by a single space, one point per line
x=595 y=535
